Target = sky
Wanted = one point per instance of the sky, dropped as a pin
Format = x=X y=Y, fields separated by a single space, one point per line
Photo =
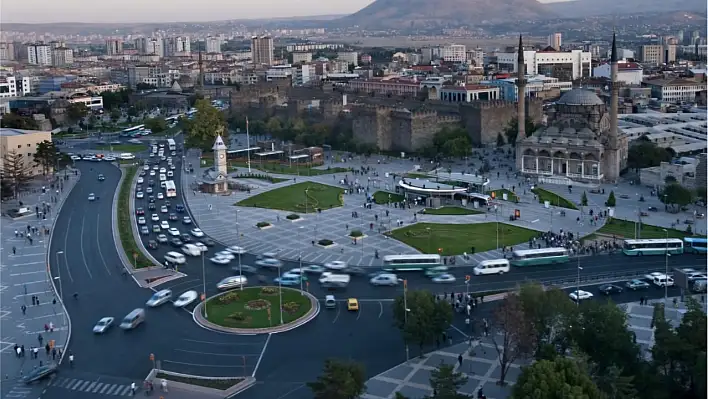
x=126 y=11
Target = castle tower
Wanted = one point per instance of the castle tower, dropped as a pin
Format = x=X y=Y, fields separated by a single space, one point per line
x=220 y=162
x=612 y=164
x=521 y=85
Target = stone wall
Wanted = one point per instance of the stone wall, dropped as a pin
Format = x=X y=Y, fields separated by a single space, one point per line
x=485 y=120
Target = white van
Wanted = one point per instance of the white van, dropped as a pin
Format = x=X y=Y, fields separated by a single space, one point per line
x=163 y=177
x=126 y=156
x=191 y=249
x=494 y=266
x=662 y=280
x=175 y=257
x=335 y=280
x=133 y=319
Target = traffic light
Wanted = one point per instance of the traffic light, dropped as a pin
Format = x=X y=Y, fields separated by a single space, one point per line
x=405 y=284
x=494 y=195
x=467 y=278
x=440 y=251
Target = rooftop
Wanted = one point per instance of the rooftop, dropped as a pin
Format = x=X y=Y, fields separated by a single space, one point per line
x=580 y=97
x=8 y=132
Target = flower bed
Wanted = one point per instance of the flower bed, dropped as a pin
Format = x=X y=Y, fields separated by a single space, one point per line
x=325 y=243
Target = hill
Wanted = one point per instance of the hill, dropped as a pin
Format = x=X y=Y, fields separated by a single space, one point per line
x=587 y=8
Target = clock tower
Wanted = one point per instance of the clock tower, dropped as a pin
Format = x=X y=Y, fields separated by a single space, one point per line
x=220 y=162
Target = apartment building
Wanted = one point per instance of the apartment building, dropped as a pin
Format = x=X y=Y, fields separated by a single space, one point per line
x=301 y=57
x=454 y=53
x=350 y=57
x=23 y=142
x=150 y=46
x=476 y=57
x=39 y=54
x=11 y=86
x=564 y=65
x=629 y=73
x=177 y=46
x=114 y=47
x=213 y=44
x=7 y=51
x=62 y=56
x=658 y=53
x=674 y=90
x=262 y=50
x=554 y=41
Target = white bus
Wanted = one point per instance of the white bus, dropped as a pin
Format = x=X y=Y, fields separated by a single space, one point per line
x=653 y=247
x=411 y=262
x=171 y=144
x=170 y=189
x=535 y=257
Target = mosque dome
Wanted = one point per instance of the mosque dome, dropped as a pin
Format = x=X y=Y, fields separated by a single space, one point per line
x=580 y=97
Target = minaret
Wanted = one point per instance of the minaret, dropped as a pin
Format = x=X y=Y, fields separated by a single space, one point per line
x=521 y=85
x=612 y=165
x=200 y=80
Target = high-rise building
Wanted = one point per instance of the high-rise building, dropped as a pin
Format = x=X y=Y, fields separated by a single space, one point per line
x=39 y=54
x=114 y=47
x=658 y=53
x=7 y=51
x=213 y=44
x=554 y=41
x=178 y=45
x=62 y=56
x=155 y=46
x=262 y=50
x=454 y=53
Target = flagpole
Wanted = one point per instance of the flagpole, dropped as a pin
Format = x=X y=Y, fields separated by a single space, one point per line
x=248 y=147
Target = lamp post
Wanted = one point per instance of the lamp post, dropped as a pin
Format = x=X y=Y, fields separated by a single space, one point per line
x=61 y=286
x=238 y=240
x=577 y=285
x=405 y=311
x=204 y=284
x=280 y=292
x=666 y=268
x=299 y=258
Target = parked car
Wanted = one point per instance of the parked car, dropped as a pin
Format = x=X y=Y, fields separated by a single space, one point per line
x=636 y=285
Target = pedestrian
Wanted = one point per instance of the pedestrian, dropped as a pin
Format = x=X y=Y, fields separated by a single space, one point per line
x=71 y=359
x=22 y=349
x=46 y=328
x=163 y=384
x=24 y=309
x=54 y=301
x=132 y=388
x=51 y=327
x=37 y=301
x=34 y=300
x=16 y=233
x=40 y=338
x=459 y=359
x=17 y=350
x=35 y=352
x=47 y=348
x=54 y=354
x=14 y=250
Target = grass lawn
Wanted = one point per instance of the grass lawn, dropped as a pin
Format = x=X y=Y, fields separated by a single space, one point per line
x=455 y=239
x=499 y=194
x=451 y=210
x=419 y=176
x=248 y=308
x=123 y=147
x=281 y=169
x=625 y=228
x=125 y=227
x=384 y=197
x=214 y=383
x=294 y=199
x=259 y=176
x=553 y=198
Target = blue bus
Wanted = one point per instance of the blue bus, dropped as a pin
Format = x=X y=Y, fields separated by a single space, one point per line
x=694 y=245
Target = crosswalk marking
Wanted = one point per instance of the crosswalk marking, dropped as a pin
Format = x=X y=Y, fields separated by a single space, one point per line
x=91 y=386
x=84 y=385
x=113 y=387
x=98 y=386
x=104 y=388
x=76 y=385
x=125 y=390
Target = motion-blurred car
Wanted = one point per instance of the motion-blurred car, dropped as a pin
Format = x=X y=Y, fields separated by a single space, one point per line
x=244 y=269
x=92 y=197
x=236 y=250
x=314 y=269
x=152 y=244
x=609 y=289
x=436 y=271
x=580 y=295
x=208 y=242
x=197 y=233
x=173 y=232
x=186 y=299
x=161 y=238
x=269 y=263
x=101 y=177
x=232 y=282
x=444 y=278
x=336 y=265
x=226 y=254
x=187 y=220
x=159 y=298
x=103 y=325
x=40 y=373
x=220 y=260
x=287 y=280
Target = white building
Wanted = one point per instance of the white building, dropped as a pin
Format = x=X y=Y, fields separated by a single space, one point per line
x=454 y=53
x=468 y=93
x=279 y=73
x=350 y=57
x=629 y=73
x=62 y=56
x=213 y=44
x=534 y=84
x=14 y=87
x=92 y=103
x=476 y=57
x=176 y=46
x=114 y=47
x=555 y=41
x=674 y=90
x=564 y=65
x=155 y=46
x=300 y=57
x=39 y=54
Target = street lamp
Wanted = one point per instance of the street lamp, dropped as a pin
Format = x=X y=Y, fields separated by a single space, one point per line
x=666 y=268
x=299 y=257
x=405 y=311
x=238 y=241
x=280 y=291
x=204 y=284
x=61 y=287
x=577 y=286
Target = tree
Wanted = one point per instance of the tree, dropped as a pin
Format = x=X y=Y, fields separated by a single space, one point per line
x=208 y=123
x=15 y=172
x=14 y=121
x=645 y=154
x=584 y=199
x=46 y=156
x=115 y=115
x=560 y=378
x=611 y=200
x=517 y=335
x=339 y=380
x=157 y=125
x=500 y=140
x=446 y=382
x=701 y=193
x=76 y=111
x=426 y=319
x=676 y=194
x=451 y=142
x=549 y=312
x=512 y=130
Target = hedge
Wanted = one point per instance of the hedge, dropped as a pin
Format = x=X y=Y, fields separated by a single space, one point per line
x=125 y=225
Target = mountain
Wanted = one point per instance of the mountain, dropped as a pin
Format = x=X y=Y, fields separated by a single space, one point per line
x=396 y=14
x=586 y=8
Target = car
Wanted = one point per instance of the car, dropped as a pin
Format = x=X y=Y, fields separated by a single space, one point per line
x=140 y=211
x=159 y=298
x=151 y=198
x=436 y=271
x=164 y=225
x=152 y=173
x=160 y=196
x=389 y=279
x=109 y=159
x=103 y=325
x=75 y=158
x=696 y=276
x=172 y=167
x=174 y=232
x=186 y=237
x=92 y=197
x=144 y=230
x=580 y=295
x=636 y=285
x=244 y=269
x=140 y=180
x=156 y=167
x=208 y=242
x=155 y=217
x=146 y=167
x=186 y=299
x=152 y=244
x=269 y=263
x=609 y=289
x=226 y=254
x=101 y=177
x=179 y=208
x=287 y=280
x=161 y=238
x=444 y=278
x=354 y=270
x=176 y=242
x=141 y=220
x=170 y=174
x=232 y=282
x=186 y=220
x=40 y=373
x=336 y=265
x=156 y=228
x=173 y=216
x=201 y=246
x=653 y=209
x=163 y=209
x=352 y=304
x=139 y=188
x=151 y=183
x=314 y=269
x=163 y=170
x=220 y=260
x=139 y=195
x=295 y=272
x=151 y=207
x=197 y=232
x=236 y=250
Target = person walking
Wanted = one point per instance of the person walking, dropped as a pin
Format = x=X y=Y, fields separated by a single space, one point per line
x=132 y=388
x=24 y=310
x=48 y=349
x=71 y=360
x=14 y=250
x=35 y=352
x=163 y=385
x=40 y=339
x=54 y=354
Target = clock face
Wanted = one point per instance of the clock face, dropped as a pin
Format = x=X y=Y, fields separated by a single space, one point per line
x=221 y=156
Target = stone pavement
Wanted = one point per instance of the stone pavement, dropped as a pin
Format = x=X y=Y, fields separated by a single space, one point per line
x=23 y=275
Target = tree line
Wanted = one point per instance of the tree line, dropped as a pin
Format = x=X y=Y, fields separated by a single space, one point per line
x=16 y=173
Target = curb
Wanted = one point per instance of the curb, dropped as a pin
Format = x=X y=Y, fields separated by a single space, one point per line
x=134 y=224
x=116 y=234
x=207 y=325
x=49 y=267
x=246 y=383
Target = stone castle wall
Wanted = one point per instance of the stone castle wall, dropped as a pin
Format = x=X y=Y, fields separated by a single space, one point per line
x=485 y=120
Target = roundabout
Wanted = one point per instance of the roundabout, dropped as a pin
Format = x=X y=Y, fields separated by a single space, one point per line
x=257 y=310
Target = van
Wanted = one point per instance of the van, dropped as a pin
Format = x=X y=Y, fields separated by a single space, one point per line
x=133 y=319
x=191 y=249
x=663 y=280
x=699 y=285
x=330 y=302
x=334 y=280
x=175 y=257
x=494 y=266
x=126 y=156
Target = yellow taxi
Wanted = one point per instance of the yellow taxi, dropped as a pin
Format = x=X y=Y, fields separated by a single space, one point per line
x=352 y=304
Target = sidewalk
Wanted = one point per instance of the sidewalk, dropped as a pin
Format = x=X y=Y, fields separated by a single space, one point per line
x=24 y=275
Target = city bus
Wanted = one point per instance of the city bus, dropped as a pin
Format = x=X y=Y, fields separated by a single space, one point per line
x=536 y=257
x=171 y=144
x=411 y=262
x=655 y=246
x=170 y=189
x=694 y=245
x=133 y=131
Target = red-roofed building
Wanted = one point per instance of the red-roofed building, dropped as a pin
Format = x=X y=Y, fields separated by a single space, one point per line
x=628 y=72
x=468 y=93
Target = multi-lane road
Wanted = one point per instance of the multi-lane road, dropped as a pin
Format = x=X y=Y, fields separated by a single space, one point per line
x=107 y=363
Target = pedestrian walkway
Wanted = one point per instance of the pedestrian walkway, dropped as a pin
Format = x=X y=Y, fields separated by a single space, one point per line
x=29 y=308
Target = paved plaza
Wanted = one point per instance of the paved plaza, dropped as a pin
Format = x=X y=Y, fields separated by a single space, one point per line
x=23 y=272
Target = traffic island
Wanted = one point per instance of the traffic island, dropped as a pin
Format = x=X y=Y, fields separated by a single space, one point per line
x=293 y=217
x=256 y=310
x=356 y=235
x=326 y=244
x=207 y=387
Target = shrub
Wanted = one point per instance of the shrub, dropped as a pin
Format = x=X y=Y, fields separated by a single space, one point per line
x=269 y=291
x=356 y=233
x=262 y=224
x=257 y=304
x=325 y=242
x=291 y=307
x=237 y=316
x=293 y=216
x=229 y=297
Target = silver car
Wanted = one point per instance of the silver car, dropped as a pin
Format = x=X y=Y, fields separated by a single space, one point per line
x=232 y=282
x=159 y=298
x=103 y=325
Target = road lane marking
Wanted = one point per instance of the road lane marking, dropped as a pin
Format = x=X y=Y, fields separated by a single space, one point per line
x=217 y=354
x=98 y=242
x=223 y=366
x=26 y=264
x=380 y=309
x=31 y=282
x=26 y=273
x=66 y=245
x=81 y=243
x=220 y=343
x=258 y=363
x=358 y=315
x=339 y=310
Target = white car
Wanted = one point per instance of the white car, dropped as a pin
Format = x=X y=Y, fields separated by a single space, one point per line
x=580 y=295
x=146 y=167
x=201 y=246
x=197 y=232
x=236 y=250
x=170 y=174
x=141 y=220
x=164 y=225
x=444 y=278
x=155 y=217
x=160 y=196
x=103 y=325
x=185 y=299
x=270 y=263
x=140 y=180
x=152 y=173
x=220 y=260
x=173 y=232
x=92 y=197
x=163 y=209
x=163 y=170
x=139 y=195
x=159 y=298
x=336 y=265
x=172 y=167
x=226 y=254
x=295 y=272
x=389 y=279
x=315 y=269
x=155 y=168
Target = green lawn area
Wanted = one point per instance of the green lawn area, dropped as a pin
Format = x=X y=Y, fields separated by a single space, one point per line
x=168 y=132
x=281 y=169
x=122 y=147
x=625 y=228
x=248 y=308
x=499 y=194
x=553 y=198
x=384 y=197
x=420 y=176
x=294 y=199
x=456 y=239
x=125 y=227
x=259 y=176
x=214 y=383
x=451 y=210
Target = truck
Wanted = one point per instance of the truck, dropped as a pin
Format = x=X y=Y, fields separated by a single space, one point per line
x=330 y=280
